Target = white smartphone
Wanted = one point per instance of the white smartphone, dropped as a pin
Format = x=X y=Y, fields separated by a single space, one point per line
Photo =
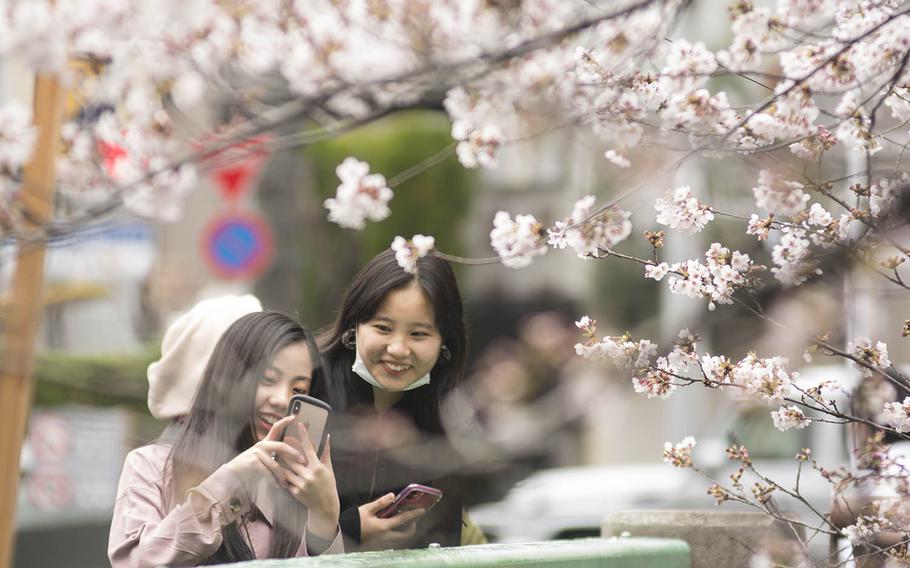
x=312 y=413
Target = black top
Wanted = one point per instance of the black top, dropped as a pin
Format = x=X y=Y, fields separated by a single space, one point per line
x=364 y=471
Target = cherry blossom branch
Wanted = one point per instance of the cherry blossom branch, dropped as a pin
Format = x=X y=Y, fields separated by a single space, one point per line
x=797 y=83
x=422 y=166
x=741 y=498
x=446 y=74
x=793 y=494
x=896 y=280
x=891 y=84
x=898 y=378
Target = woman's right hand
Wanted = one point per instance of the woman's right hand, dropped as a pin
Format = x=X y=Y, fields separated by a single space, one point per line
x=259 y=460
x=381 y=534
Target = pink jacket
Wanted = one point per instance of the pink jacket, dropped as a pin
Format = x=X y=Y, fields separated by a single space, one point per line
x=144 y=533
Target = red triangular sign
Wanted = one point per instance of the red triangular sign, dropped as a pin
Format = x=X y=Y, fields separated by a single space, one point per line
x=244 y=160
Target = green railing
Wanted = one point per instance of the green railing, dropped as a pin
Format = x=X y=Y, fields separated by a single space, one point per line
x=582 y=553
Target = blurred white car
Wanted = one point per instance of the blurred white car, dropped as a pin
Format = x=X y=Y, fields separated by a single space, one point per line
x=572 y=502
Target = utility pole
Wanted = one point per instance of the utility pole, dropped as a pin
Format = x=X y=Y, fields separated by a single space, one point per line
x=24 y=316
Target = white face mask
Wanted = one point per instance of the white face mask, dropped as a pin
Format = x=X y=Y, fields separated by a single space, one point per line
x=361 y=370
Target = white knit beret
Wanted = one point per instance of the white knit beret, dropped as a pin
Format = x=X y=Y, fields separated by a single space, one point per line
x=185 y=351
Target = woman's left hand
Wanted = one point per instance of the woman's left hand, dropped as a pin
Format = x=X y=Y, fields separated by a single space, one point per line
x=313 y=484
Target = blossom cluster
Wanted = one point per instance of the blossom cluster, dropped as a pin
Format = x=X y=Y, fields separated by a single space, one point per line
x=154 y=61
x=815 y=226
x=476 y=146
x=17 y=136
x=408 y=251
x=765 y=380
x=360 y=196
x=787 y=417
x=897 y=415
x=722 y=274
x=865 y=528
x=590 y=231
x=621 y=350
x=681 y=210
x=657 y=381
x=516 y=241
x=869 y=356
x=777 y=195
x=679 y=455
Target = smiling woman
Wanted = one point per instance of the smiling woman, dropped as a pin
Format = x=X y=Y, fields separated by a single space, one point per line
x=217 y=494
x=396 y=349
x=400 y=344
x=289 y=373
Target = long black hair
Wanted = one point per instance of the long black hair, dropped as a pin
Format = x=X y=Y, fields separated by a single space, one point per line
x=220 y=423
x=361 y=302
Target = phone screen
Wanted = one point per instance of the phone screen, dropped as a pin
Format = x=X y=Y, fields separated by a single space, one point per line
x=312 y=413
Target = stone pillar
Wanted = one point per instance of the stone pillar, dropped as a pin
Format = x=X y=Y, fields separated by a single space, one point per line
x=716 y=538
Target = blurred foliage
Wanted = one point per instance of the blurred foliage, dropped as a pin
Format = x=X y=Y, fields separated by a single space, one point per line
x=96 y=380
x=433 y=202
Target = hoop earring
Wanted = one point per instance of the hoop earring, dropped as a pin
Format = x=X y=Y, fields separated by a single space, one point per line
x=445 y=354
x=349 y=339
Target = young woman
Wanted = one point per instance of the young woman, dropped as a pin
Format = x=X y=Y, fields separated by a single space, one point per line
x=395 y=350
x=217 y=493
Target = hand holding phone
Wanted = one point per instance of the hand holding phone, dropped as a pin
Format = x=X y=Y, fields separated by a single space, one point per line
x=414 y=496
x=312 y=413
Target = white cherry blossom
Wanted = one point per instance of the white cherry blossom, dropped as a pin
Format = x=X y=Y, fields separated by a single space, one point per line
x=477 y=146
x=681 y=210
x=723 y=273
x=617 y=159
x=871 y=355
x=361 y=196
x=408 y=251
x=775 y=194
x=657 y=271
x=897 y=415
x=864 y=529
x=789 y=417
x=17 y=136
x=656 y=382
x=679 y=455
x=765 y=380
x=791 y=256
x=516 y=241
x=589 y=230
x=687 y=67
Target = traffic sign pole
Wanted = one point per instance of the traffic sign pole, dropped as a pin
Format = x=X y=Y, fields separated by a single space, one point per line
x=24 y=316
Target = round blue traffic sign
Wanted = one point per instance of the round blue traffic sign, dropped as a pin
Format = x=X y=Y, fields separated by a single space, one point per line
x=238 y=245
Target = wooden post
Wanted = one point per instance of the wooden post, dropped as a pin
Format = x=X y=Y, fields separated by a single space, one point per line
x=24 y=315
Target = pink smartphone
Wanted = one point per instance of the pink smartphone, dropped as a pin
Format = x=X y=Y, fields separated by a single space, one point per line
x=414 y=496
x=312 y=413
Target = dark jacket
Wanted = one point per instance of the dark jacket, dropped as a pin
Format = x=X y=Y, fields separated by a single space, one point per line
x=364 y=471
